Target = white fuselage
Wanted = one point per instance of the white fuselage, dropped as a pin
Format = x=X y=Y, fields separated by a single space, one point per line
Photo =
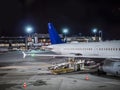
x=108 y=49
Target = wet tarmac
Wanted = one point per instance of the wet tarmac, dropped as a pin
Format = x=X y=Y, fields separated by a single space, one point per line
x=33 y=71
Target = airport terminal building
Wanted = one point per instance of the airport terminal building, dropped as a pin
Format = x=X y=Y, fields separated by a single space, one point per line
x=38 y=40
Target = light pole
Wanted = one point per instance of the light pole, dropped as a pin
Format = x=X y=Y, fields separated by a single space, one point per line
x=29 y=30
x=65 y=31
x=100 y=34
x=95 y=32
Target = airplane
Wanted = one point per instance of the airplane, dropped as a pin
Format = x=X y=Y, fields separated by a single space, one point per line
x=109 y=51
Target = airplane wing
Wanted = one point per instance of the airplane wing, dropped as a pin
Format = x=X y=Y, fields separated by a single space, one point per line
x=67 y=55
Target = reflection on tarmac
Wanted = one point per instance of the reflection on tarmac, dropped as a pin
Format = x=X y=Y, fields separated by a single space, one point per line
x=14 y=71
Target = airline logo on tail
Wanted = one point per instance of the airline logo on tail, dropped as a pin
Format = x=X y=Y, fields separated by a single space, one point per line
x=54 y=36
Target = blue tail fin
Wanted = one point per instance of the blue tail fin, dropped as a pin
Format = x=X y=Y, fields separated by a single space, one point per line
x=54 y=37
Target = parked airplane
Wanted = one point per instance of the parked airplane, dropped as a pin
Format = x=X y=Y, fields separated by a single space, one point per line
x=108 y=50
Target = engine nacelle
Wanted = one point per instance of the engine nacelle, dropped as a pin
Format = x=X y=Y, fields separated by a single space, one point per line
x=110 y=67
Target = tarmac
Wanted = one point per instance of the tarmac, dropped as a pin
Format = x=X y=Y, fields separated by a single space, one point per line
x=32 y=73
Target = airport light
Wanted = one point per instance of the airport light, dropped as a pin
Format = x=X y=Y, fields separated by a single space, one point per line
x=33 y=55
x=65 y=31
x=29 y=29
x=100 y=34
x=94 y=31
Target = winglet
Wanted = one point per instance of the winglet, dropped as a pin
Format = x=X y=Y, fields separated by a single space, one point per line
x=24 y=55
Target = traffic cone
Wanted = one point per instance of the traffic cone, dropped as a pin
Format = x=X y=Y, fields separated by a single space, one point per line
x=25 y=85
x=86 y=78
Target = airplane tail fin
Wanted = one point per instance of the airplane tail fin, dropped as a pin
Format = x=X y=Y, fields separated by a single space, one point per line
x=54 y=36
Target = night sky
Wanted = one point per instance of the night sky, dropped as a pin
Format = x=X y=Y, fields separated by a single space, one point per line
x=79 y=16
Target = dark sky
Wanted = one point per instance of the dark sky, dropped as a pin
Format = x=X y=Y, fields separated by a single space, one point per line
x=80 y=16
